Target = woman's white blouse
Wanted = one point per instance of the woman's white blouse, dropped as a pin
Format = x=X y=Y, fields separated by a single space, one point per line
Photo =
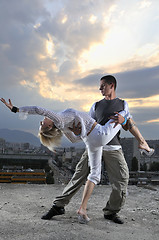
x=63 y=120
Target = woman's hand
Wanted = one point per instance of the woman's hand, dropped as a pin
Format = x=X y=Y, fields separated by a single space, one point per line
x=9 y=104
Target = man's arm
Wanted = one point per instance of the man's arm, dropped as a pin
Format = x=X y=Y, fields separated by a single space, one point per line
x=126 y=109
x=72 y=137
x=77 y=129
x=92 y=111
x=121 y=117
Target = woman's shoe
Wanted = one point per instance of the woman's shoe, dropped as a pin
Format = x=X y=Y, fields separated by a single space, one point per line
x=149 y=154
x=83 y=219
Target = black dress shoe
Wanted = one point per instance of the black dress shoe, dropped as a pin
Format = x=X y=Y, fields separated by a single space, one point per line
x=53 y=212
x=114 y=217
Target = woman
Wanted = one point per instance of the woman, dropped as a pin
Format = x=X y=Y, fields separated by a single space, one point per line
x=94 y=136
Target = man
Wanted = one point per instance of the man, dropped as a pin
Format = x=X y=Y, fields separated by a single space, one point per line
x=112 y=155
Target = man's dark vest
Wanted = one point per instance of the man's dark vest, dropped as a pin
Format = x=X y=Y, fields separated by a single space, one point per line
x=106 y=108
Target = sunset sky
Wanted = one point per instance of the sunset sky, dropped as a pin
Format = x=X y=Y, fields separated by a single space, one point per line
x=54 y=52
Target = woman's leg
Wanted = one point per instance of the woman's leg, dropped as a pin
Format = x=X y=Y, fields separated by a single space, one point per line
x=133 y=129
x=102 y=135
x=88 y=189
x=94 y=155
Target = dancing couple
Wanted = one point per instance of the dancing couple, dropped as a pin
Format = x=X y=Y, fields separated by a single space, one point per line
x=94 y=135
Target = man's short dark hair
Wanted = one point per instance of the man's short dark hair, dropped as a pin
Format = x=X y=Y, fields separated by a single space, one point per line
x=109 y=79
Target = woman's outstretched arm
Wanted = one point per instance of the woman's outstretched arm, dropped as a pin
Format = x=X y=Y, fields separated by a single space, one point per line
x=35 y=110
x=9 y=104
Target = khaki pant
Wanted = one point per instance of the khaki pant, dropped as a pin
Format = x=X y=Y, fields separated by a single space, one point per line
x=117 y=170
x=118 y=175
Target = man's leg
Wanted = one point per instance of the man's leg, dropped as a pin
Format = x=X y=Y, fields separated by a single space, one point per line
x=118 y=174
x=78 y=179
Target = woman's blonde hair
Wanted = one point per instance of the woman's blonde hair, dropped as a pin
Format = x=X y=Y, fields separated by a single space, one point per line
x=50 y=138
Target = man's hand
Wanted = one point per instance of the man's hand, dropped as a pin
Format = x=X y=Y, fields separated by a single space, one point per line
x=9 y=104
x=76 y=129
x=118 y=119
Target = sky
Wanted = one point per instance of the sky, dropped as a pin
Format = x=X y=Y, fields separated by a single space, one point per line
x=54 y=52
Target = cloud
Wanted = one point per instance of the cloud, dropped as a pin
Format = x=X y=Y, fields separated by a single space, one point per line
x=139 y=83
x=19 y=44
x=135 y=86
x=153 y=121
x=72 y=26
x=144 y=4
x=53 y=53
x=34 y=41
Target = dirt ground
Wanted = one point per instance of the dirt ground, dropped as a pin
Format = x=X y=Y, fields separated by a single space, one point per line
x=22 y=205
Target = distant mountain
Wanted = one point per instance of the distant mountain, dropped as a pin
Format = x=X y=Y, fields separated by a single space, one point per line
x=17 y=136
